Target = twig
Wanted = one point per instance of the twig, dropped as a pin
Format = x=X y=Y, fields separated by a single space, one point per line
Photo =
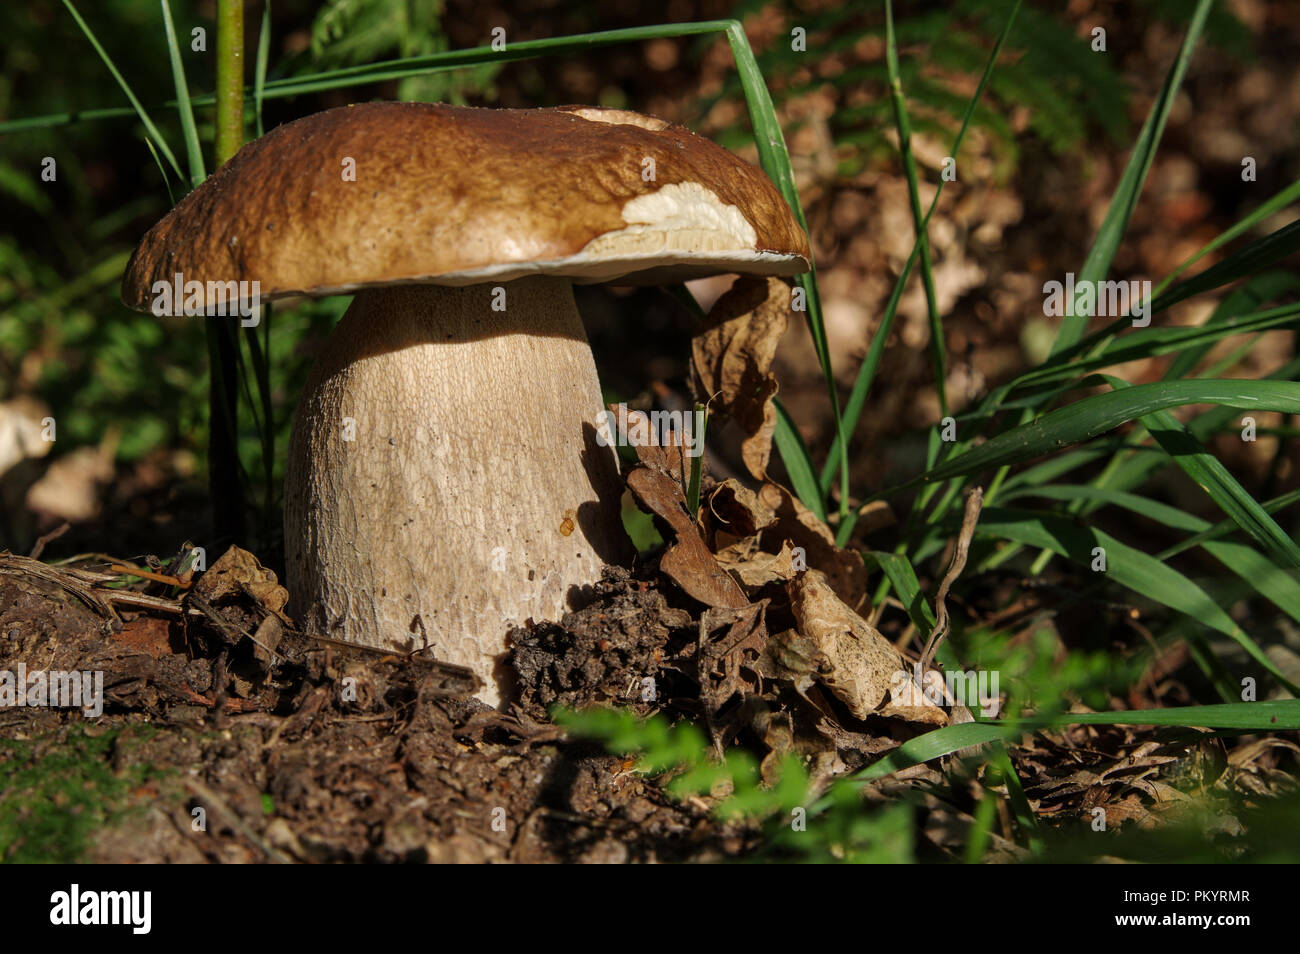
x=974 y=501
x=219 y=806
x=127 y=570
x=54 y=534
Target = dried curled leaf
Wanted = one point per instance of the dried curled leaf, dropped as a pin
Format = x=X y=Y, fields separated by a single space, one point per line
x=837 y=648
x=665 y=452
x=237 y=571
x=732 y=361
x=844 y=569
x=756 y=568
x=687 y=561
x=907 y=701
x=731 y=512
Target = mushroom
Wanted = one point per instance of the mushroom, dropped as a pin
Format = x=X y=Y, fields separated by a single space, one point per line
x=446 y=481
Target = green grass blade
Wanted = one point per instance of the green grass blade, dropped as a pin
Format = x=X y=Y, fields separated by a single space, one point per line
x=1257 y=571
x=407 y=67
x=166 y=177
x=150 y=129
x=1284 y=198
x=193 y=151
x=775 y=160
x=1272 y=716
x=919 y=224
x=1137 y=466
x=697 y=463
x=902 y=576
x=1092 y=416
x=1224 y=489
x=1162 y=513
x=1097 y=265
x=259 y=69
x=1262 y=575
x=1061 y=464
x=1155 y=341
x=1223 y=528
x=1254 y=257
x=867 y=370
x=265 y=420
x=400 y=69
x=259 y=351
x=1129 y=567
x=1260 y=289
x=797 y=460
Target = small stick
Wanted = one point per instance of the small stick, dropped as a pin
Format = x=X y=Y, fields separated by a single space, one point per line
x=219 y=807
x=974 y=501
x=53 y=535
x=131 y=598
x=147 y=575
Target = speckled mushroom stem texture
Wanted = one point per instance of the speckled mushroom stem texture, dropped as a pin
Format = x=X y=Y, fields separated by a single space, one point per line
x=445 y=481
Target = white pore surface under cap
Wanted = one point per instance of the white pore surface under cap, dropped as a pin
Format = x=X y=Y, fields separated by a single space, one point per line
x=683 y=216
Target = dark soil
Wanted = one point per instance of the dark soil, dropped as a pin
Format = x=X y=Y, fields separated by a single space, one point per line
x=284 y=769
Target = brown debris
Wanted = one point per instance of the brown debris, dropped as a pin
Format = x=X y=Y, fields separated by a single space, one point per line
x=732 y=362
x=837 y=648
x=687 y=561
x=844 y=569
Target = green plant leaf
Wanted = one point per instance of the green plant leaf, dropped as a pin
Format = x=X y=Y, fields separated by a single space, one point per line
x=1260 y=573
x=1282 y=199
x=259 y=69
x=1122 y=203
x=919 y=223
x=1095 y=415
x=1274 y=715
x=1212 y=477
x=1270 y=250
x=797 y=460
x=867 y=370
x=155 y=137
x=193 y=151
x=1140 y=572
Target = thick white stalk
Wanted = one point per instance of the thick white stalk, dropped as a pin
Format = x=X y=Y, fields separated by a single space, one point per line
x=445 y=481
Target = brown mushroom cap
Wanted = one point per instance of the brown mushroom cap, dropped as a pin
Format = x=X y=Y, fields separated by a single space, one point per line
x=456 y=196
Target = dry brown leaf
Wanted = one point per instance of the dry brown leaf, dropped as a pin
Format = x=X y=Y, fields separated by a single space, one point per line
x=731 y=512
x=844 y=569
x=719 y=660
x=1245 y=754
x=732 y=360
x=840 y=650
x=907 y=701
x=687 y=561
x=757 y=568
x=237 y=571
x=670 y=457
x=854 y=661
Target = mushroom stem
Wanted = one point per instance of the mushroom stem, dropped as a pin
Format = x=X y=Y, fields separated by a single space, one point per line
x=445 y=481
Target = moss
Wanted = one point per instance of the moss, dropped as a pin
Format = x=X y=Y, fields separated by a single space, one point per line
x=57 y=790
